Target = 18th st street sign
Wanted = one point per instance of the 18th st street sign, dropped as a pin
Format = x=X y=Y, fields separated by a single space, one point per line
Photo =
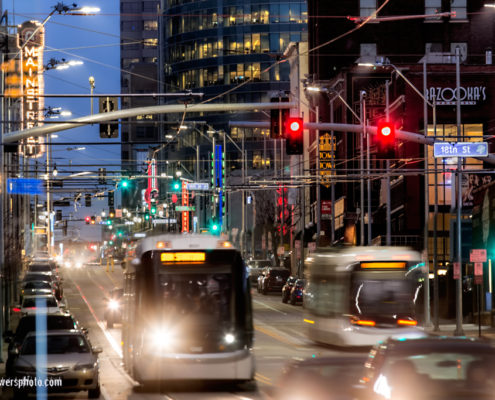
x=461 y=149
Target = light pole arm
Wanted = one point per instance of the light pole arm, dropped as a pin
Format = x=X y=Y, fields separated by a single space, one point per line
x=398 y=71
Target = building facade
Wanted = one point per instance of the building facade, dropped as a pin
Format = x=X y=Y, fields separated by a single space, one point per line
x=356 y=55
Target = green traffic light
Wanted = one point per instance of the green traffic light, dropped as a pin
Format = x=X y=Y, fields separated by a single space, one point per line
x=119 y=234
x=110 y=242
x=153 y=210
x=146 y=217
x=176 y=186
x=214 y=228
x=125 y=183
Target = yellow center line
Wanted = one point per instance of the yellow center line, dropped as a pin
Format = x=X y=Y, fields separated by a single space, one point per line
x=275 y=335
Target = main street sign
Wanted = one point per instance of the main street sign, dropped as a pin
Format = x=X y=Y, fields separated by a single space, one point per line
x=461 y=149
x=185 y=208
x=24 y=186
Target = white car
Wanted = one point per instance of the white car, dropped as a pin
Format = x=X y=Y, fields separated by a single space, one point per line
x=31 y=303
x=70 y=359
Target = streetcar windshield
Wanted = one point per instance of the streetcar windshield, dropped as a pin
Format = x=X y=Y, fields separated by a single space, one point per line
x=377 y=297
x=202 y=300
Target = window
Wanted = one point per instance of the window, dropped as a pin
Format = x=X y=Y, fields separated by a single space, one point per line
x=433 y=6
x=130 y=26
x=150 y=25
x=150 y=42
x=150 y=6
x=459 y=6
x=126 y=62
x=367 y=7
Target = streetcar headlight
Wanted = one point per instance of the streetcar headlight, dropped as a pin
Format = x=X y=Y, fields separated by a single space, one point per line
x=162 y=338
x=229 y=338
x=113 y=304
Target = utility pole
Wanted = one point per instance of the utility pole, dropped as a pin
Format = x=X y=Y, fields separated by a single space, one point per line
x=362 y=100
x=458 y=330
x=388 y=241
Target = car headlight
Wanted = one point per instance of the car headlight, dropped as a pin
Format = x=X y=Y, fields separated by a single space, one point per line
x=79 y=264
x=80 y=367
x=113 y=304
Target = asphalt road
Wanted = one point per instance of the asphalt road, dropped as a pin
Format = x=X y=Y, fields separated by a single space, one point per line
x=279 y=338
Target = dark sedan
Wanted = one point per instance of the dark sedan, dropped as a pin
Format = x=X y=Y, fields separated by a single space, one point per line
x=430 y=368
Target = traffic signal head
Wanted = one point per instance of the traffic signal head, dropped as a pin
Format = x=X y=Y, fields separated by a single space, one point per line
x=124 y=183
x=87 y=220
x=294 y=135
x=176 y=185
x=146 y=217
x=111 y=213
x=93 y=220
x=385 y=139
x=153 y=210
x=214 y=227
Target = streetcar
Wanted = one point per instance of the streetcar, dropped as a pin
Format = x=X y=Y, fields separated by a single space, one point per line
x=357 y=296
x=187 y=311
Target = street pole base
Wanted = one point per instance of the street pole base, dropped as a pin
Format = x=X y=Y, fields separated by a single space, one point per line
x=459 y=332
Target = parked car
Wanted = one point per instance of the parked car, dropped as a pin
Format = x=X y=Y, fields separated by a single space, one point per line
x=436 y=367
x=286 y=289
x=113 y=307
x=255 y=268
x=297 y=291
x=274 y=279
x=60 y=320
x=32 y=288
x=69 y=357
x=56 y=283
x=321 y=378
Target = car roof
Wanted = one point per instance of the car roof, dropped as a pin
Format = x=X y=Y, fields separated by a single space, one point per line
x=57 y=332
x=438 y=342
x=58 y=313
x=38 y=296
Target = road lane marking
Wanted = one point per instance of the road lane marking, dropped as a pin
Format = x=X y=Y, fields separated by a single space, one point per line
x=270 y=307
x=109 y=337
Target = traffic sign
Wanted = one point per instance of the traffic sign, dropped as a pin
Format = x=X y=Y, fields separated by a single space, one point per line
x=478 y=269
x=185 y=208
x=198 y=186
x=477 y=255
x=461 y=149
x=457 y=270
x=24 y=186
x=164 y=221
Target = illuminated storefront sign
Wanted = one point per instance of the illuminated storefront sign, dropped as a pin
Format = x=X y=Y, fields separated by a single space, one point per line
x=32 y=86
x=470 y=95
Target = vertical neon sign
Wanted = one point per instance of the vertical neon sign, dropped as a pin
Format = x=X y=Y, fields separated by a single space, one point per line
x=32 y=84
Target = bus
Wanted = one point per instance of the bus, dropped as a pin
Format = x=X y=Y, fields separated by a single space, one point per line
x=187 y=311
x=357 y=296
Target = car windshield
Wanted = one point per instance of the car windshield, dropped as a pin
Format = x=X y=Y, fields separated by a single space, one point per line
x=57 y=344
x=42 y=302
x=199 y=300
x=440 y=370
x=28 y=324
x=279 y=273
x=37 y=285
x=383 y=297
x=37 y=277
x=40 y=268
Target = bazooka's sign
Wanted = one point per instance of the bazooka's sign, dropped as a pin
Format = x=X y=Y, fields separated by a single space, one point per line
x=470 y=95
x=31 y=41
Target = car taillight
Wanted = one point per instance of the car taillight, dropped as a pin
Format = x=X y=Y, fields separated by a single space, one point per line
x=16 y=309
x=408 y=322
x=362 y=322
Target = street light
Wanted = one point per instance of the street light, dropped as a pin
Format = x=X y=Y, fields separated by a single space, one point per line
x=60 y=64
x=55 y=112
x=91 y=88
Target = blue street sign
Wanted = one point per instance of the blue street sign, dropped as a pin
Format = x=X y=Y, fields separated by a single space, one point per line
x=462 y=149
x=25 y=186
x=198 y=186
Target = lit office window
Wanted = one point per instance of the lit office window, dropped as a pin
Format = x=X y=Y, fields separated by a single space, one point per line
x=367 y=7
x=150 y=25
x=150 y=42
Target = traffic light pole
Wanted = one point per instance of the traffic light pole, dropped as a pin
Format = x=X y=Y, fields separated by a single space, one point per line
x=388 y=218
x=362 y=100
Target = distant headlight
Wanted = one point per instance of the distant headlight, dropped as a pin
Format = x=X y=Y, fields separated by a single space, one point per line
x=113 y=304
x=229 y=338
x=78 y=264
x=80 y=367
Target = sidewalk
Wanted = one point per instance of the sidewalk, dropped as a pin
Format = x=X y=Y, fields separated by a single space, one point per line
x=470 y=330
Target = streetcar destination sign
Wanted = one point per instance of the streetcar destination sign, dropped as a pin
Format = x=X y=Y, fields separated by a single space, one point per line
x=461 y=149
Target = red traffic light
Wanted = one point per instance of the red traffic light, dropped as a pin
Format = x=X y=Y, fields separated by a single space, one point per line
x=294 y=135
x=386 y=129
x=294 y=125
x=87 y=219
x=385 y=139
